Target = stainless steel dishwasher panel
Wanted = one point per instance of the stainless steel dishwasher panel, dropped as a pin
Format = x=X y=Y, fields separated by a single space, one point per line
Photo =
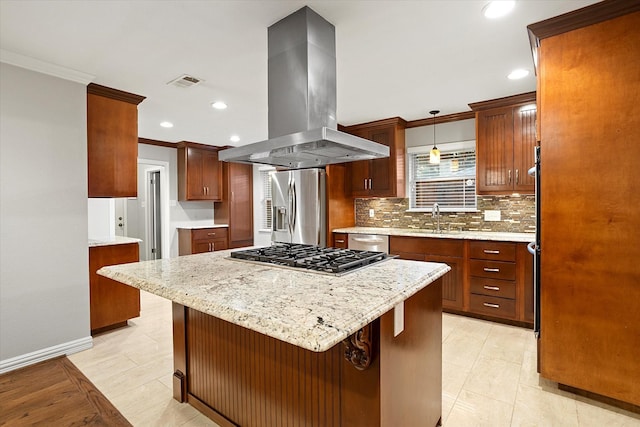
x=369 y=242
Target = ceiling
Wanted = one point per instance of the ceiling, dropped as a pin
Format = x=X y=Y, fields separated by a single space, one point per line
x=394 y=58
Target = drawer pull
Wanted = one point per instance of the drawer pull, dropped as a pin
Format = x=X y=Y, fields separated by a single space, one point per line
x=488 y=304
x=340 y=241
x=491 y=288
x=489 y=251
x=491 y=270
x=211 y=234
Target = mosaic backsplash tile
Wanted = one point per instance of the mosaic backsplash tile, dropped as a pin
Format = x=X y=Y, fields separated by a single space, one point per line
x=518 y=215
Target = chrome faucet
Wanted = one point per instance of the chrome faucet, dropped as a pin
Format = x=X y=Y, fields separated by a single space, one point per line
x=435 y=213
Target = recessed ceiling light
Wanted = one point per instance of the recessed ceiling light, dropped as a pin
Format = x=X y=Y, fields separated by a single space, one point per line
x=166 y=124
x=518 y=74
x=497 y=9
x=219 y=105
x=234 y=138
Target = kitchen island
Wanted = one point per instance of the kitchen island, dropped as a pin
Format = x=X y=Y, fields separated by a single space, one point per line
x=258 y=345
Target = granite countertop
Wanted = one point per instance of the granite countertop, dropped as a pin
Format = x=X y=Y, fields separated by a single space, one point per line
x=310 y=310
x=200 y=226
x=117 y=240
x=470 y=235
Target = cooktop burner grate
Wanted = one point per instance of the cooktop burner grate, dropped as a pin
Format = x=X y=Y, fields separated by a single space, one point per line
x=310 y=257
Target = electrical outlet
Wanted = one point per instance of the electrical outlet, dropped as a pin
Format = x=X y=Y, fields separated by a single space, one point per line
x=371 y=213
x=491 y=215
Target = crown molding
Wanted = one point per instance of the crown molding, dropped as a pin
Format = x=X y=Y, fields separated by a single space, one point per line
x=43 y=67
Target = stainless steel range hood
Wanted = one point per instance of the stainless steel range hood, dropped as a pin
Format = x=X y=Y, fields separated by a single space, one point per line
x=302 y=101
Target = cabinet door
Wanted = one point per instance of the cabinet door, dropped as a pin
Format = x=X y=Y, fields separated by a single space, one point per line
x=111 y=302
x=494 y=150
x=112 y=147
x=452 y=282
x=240 y=205
x=194 y=174
x=524 y=141
x=200 y=246
x=211 y=175
x=382 y=171
x=358 y=178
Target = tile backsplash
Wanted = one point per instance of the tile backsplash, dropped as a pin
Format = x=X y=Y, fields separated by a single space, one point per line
x=517 y=215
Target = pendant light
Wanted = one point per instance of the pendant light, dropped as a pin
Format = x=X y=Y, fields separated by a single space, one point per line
x=434 y=154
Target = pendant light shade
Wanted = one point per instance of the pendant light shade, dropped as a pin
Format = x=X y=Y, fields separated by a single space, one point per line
x=434 y=154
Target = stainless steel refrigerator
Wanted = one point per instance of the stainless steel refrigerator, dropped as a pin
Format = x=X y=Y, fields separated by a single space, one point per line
x=298 y=201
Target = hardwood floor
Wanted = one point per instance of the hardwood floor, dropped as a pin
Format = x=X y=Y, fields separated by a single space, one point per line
x=54 y=392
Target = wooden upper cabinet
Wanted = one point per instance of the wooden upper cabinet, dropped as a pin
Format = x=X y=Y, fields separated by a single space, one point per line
x=112 y=142
x=379 y=177
x=199 y=172
x=505 y=141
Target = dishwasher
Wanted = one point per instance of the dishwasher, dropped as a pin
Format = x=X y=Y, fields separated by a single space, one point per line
x=369 y=242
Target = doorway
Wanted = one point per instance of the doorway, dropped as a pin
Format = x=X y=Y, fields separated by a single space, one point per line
x=147 y=216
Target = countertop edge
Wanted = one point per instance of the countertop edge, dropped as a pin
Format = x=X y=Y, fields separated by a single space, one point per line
x=118 y=240
x=461 y=235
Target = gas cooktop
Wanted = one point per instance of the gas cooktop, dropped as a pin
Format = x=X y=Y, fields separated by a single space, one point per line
x=317 y=259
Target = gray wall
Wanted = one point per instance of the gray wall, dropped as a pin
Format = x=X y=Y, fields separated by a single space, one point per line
x=44 y=274
x=463 y=130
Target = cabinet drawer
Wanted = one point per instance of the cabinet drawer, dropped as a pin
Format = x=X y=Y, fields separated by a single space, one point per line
x=209 y=233
x=340 y=240
x=496 y=251
x=493 y=269
x=492 y=306
x=426 y=245
x=492 y=287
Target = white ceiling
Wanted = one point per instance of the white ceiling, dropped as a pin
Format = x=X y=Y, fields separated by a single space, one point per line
x=394 y=58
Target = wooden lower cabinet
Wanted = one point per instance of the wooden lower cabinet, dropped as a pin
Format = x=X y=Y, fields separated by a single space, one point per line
x=196 y=241
x=447 y=251
x=488 y=279
x=238 y=377
x=111 y=303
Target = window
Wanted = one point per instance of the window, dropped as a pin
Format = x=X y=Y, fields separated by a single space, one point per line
x=266 y=210
x=451 y=184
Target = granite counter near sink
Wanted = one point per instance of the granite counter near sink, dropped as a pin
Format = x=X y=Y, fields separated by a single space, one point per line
x=463 y=235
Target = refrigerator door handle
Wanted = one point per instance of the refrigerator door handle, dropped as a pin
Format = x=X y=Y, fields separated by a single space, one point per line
x=292 y=206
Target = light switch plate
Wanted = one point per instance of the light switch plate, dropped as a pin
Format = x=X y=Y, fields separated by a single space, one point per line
x=491 y=215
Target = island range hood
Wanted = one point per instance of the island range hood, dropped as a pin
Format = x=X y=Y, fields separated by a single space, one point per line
x=302 y=101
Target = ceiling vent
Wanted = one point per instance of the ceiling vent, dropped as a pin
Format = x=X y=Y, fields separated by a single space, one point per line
x=185 y=80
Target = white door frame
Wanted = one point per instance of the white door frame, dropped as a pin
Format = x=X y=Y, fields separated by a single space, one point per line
x=163 y=167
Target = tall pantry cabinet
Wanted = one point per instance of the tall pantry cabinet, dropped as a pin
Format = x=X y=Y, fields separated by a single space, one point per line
x=589 y=128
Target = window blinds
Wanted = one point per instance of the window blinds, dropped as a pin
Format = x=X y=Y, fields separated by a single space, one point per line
x=266 y=200
x=451 y=184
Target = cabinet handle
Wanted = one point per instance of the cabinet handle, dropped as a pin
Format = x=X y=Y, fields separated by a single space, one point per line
x=509 y=176
x=491 y=270
x=517 y=176
x=339 y=241
x=488 y=304
x=489 y=251
x=369 y=183
x=213 y=246
x=491 y=288
x=365 y=183
x=211 y=234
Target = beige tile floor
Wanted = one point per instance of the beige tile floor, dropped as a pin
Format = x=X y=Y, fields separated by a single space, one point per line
x=489 y=377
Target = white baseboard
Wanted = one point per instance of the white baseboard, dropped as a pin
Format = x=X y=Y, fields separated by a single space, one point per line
x=45 y=354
